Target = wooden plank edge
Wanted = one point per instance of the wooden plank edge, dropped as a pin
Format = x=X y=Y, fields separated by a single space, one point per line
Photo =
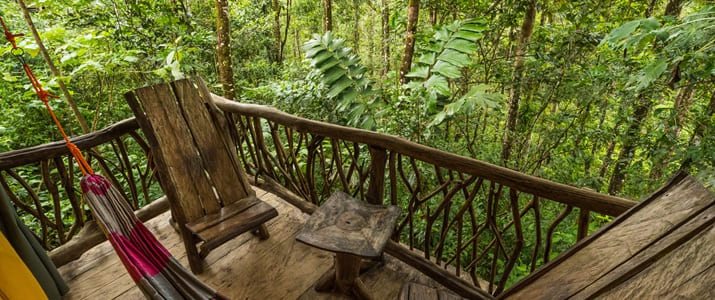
x=674 y=180
x=650 y=254
x=584 y=198
x=91 y=235
x=442 y=276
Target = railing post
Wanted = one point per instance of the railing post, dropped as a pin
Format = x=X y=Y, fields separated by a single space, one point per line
x=376 y=188
x=583 y=220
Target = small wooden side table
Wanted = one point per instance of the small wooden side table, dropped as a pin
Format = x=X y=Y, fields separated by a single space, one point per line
x=353 y=230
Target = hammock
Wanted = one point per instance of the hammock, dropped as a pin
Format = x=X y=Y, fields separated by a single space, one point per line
x=154 y=270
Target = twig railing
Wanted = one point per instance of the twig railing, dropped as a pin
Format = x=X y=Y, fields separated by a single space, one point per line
x=42 y=181
x=486 y=223
x=467 y=218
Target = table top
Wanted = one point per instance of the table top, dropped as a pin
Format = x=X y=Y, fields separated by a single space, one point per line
x=345 y=225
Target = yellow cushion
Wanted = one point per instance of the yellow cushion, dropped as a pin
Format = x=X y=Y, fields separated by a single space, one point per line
x=16 y=280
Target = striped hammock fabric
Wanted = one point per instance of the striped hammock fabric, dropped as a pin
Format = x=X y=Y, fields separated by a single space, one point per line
x=154 y=270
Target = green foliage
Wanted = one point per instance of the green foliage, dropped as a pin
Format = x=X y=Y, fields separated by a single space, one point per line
x=344 y=77
x=476 y=98
x=577 y=100
x=684 y=46
x=447 y=52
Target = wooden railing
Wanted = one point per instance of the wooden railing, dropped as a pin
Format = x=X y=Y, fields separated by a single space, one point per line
x=482 y=222
x=42 y=182
x=470 y=225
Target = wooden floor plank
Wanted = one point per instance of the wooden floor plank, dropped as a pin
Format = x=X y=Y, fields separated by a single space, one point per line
x=101 y=251
x=242 y=268
x=679 y=272
x=653 y=254
x=615 y=246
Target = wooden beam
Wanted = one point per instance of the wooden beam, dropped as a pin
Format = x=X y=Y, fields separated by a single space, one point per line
x=25 y=156
x=439 y=274
x=376 y=188
x=583 y=198
x=91 y=235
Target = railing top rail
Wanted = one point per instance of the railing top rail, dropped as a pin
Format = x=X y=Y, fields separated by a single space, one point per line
x=28 y=155
x=583 y=198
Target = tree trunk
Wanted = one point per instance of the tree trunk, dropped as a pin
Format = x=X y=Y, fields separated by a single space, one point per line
x=434 y=9
x=277 y=31
x=527 y=27
x=55 y=72
x=672 y=131
x=356 y=32
x=639 y=114
x=385 y=38
x=328 y=18
x=296 y=46
x=413 y=11
x=223 y=40
x=673 y=8
x=285 y=31
x=629 y=145
x=650 y=8
x=701 y=129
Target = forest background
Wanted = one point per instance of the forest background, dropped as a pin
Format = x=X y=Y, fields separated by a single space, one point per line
x=614 y=95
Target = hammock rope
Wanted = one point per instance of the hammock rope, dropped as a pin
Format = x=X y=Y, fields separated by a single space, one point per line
x=45 y=98
x=154 y=270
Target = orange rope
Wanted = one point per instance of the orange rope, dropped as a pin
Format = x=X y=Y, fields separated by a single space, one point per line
x=44 y=97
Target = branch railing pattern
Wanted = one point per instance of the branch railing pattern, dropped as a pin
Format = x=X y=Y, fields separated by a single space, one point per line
x=42 y=181
x=484 y=223
x=481 y=228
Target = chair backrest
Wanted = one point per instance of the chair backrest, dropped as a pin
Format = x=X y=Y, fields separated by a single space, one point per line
x=198 y=166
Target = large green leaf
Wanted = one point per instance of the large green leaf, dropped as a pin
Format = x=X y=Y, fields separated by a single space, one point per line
x=454 y=57
x=474 y=27
x=469 y=35
x=621 y=32
x=321 y=56
x=447 y=69
x=462 y=45
x=332 y=75
x=650 y=73
x=439 y=84
x=339 y=86
x=418 y=72
x=427 y=58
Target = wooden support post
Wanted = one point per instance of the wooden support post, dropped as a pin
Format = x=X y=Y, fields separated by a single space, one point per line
x=195 y=260
x=347 y=270
x=262 y=232
x=583 y=220
x=376 y=188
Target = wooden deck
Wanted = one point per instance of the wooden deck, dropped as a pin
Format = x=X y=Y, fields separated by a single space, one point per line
x=661 y=249
x=243 y=268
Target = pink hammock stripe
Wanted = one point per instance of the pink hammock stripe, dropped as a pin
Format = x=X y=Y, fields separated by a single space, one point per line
x=158 y=274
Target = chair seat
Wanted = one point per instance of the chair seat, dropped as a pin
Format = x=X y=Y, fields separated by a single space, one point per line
x=230 y=221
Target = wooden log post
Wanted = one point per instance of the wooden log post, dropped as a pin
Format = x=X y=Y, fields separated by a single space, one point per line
x=583 y=220
x=376 y=188
x=347 y=271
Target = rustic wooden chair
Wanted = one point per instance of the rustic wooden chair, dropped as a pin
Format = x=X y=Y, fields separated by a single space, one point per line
x=211 y=199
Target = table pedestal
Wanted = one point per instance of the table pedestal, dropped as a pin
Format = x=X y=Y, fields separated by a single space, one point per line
x=344 y=277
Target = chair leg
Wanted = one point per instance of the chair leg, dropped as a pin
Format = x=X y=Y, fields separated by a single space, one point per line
x=174 y=225
x=195 y=261
x=262 y=232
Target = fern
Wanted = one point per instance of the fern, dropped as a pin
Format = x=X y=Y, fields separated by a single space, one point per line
x=444 y=57
x=442 y=60
x=343 y=76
